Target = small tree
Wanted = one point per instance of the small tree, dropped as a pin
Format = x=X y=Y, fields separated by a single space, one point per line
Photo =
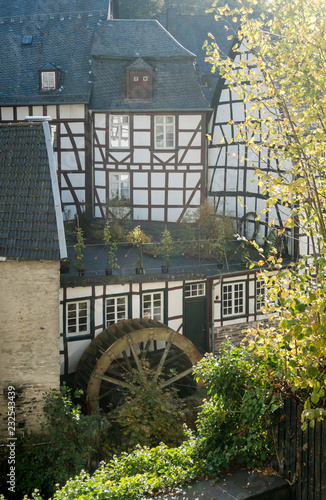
x=138 y=237
x=78 y=249
x=166 y=246
x=111 y=247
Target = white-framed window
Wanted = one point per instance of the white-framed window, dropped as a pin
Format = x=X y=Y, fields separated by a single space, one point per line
x=116 y=309
x=233 y=299
x=136 y=78
x=119 y=186
x=78 y=318
x=145 y=78
x=164 y=132
x=260 y=295
x=119 y=131
x=48 y=80
x=152 y=306
x=194 y=289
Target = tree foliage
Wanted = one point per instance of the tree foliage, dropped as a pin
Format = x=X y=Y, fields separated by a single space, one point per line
x=282 y=85
x=147 y=9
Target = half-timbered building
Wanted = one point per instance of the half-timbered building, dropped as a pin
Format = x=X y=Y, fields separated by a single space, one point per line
x=128 y=110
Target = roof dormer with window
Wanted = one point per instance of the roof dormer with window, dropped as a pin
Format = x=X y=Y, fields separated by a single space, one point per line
x=139 y=80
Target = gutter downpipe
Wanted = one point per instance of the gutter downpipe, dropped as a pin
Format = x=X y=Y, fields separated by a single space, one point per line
x=219 y=281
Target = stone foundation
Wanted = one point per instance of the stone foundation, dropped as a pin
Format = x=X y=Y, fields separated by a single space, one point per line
x=235 y=333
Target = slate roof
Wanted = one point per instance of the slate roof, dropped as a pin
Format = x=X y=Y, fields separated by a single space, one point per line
x=28 y=224
x=59 y=40
x=131 y=38
x=175 y=81
x=192 y=31
x=21 y=8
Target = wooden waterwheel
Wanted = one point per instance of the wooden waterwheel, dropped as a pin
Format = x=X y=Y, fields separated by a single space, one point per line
x=105 y=368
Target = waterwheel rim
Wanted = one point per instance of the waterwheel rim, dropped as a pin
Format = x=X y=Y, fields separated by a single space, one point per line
x=126 y=353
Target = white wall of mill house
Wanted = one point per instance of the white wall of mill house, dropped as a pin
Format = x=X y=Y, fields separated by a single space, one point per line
x=71 y=124
x=72 y=346
x=164 y=183
x=232 y=181
x=242 y=308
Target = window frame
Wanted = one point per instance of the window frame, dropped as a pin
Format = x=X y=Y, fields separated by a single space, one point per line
x=119 y=182
x=192 y=290
x=163 y=313
x=233 y=285
x=77 y=334
x=164 y=125
x=126 y=296
x=260 y=296
x=119 y=126
x=42 y=73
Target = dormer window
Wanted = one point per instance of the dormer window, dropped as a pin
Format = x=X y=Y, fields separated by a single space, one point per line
x=139 y=81
x=48 y=80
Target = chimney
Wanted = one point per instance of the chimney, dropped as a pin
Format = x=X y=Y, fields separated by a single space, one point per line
x=171 y=20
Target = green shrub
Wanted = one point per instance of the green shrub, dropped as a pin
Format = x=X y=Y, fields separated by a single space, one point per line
x=235 y=423
x=70 y=442
x=133 y=475
x=205 y=232
x=150 y=415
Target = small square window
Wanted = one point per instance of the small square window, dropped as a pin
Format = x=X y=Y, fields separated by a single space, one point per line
x=136 y=79
x=27 y=40
x=195 y=290
x=48 y=80
x=145 y=78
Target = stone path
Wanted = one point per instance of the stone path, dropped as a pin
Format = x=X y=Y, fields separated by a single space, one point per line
x=240 y=485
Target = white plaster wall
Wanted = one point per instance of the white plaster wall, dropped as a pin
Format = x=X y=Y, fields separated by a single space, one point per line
x=72 y=111
x=7 y=113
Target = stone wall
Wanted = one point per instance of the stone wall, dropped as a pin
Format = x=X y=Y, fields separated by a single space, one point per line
x=235 y=333
x=29 y=336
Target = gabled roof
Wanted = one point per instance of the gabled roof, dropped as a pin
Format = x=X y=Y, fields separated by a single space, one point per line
x=139 y=64
x=30 y=225
x=120 y=43
x=61 y=41
x=130 y=38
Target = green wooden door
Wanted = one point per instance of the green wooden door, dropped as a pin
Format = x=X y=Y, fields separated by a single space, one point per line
x=194 y=322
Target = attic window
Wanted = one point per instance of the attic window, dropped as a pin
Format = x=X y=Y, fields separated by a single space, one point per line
x=27 y=40
x=48 y=80
x=139 y=84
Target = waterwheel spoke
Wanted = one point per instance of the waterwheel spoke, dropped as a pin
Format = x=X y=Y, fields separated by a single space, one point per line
x=163 y=358
x=107 y=393
x=136 y=358
x=112 y=380
x=176 y=378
